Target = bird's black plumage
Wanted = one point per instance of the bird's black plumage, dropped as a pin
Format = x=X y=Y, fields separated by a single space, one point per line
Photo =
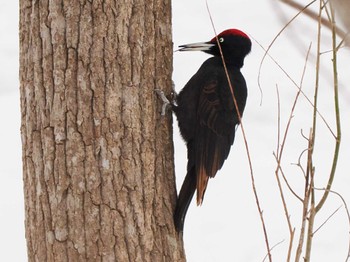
x=207 y=115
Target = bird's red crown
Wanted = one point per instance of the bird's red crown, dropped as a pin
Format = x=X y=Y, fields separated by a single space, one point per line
x=230 y=32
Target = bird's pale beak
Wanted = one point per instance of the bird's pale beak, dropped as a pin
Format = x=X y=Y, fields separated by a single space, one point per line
x=203 y=46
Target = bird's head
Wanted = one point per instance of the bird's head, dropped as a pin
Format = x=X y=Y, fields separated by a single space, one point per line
x=234 y=43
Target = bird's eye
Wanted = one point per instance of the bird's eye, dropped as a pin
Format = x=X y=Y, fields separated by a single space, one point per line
x=221 y=39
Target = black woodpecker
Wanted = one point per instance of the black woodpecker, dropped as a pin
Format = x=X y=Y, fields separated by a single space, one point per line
x=207 y=115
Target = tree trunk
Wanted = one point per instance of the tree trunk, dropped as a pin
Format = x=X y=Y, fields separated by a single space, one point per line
x=97 y=156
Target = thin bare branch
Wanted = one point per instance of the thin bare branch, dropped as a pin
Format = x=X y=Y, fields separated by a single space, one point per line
x=278 y=123
x=286 y=181
x=347 y=213
x=313 y=15
x=330 y=216
x=297 y=86
x=307 y=198
x=286 y=212
x=277 y=36
x=275 y=245
x=337 y=116
x=299 y=161
x=245 y=140
x=281 y=147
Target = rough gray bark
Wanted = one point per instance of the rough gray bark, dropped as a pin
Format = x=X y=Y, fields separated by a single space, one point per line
x=97 y=157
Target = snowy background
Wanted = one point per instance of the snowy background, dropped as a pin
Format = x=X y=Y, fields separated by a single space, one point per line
x=227 y=227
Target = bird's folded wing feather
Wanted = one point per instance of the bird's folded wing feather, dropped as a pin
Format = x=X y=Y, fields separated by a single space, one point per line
x=214 y=134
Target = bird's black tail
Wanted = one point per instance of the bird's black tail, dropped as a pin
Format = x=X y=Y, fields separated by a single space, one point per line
x=186 y=193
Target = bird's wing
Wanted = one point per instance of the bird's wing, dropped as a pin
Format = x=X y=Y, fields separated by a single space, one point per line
x=215 y=132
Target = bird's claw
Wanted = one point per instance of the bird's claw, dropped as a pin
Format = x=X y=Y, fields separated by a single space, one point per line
x=165 y=100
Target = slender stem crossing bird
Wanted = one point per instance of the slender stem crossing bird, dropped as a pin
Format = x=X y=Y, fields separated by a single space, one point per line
x=207 y=113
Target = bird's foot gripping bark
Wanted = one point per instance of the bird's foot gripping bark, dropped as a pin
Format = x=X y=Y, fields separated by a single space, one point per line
x=166 y=102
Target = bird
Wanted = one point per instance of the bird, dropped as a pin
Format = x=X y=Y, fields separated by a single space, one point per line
x=207 y=115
